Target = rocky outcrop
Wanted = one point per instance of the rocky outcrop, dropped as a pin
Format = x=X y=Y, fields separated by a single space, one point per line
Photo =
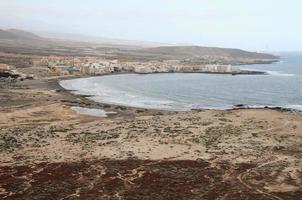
x=7 y=73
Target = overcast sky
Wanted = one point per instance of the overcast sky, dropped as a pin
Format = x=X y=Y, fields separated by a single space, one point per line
x=272 y=25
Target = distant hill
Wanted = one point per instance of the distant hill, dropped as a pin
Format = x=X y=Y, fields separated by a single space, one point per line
x=199 y=55
x=197 y=51
x=25 y=42
x=15 y=34
x=6 y=35
x=99 y=40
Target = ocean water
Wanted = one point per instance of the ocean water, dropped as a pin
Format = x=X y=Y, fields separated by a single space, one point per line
x=282 y=87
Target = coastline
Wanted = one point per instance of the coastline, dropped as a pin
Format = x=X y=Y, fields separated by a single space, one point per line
x=210 y=152
x=66 y=143
x=231 y=107
x=127 y=151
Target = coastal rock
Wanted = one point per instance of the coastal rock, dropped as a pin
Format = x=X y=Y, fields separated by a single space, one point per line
x=143 y=70
x=9 y=72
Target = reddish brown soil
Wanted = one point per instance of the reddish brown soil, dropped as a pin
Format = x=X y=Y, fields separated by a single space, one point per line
x=112 y=179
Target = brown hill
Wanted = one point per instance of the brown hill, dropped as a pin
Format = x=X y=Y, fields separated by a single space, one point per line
x=197 y=51
x=24 y=42
x=15 y=34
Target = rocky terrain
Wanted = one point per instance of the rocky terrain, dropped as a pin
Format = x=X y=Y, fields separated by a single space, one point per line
x=48 y=151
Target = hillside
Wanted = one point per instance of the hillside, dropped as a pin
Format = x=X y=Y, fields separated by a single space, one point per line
x=199 y=55
x=6 y=35
x=15 y=34
x=24 y=42
x=195 y=51
x=99 y=40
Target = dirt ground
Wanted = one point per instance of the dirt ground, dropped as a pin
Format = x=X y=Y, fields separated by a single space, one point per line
x=48 y=151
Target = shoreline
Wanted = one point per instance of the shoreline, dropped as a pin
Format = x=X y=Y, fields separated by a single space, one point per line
x=46 y=147
x=54 y=85
x=232 y=107
x=52 y=148
x=126 y=152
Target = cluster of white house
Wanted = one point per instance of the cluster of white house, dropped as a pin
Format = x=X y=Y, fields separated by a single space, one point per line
x=58 y=65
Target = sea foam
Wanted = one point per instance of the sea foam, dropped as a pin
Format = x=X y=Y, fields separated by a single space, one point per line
x=277 y=73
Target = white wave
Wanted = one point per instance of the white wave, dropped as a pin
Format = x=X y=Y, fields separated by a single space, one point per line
x=290 y=107
x=111 y=95
x=126 y=98
x=295 y=107
x=280 y=62
x=278 y=73
x=273 y=73
x=116 y=95
x=254 y=106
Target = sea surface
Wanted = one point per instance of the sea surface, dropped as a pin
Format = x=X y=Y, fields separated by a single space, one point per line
x=281 y=88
